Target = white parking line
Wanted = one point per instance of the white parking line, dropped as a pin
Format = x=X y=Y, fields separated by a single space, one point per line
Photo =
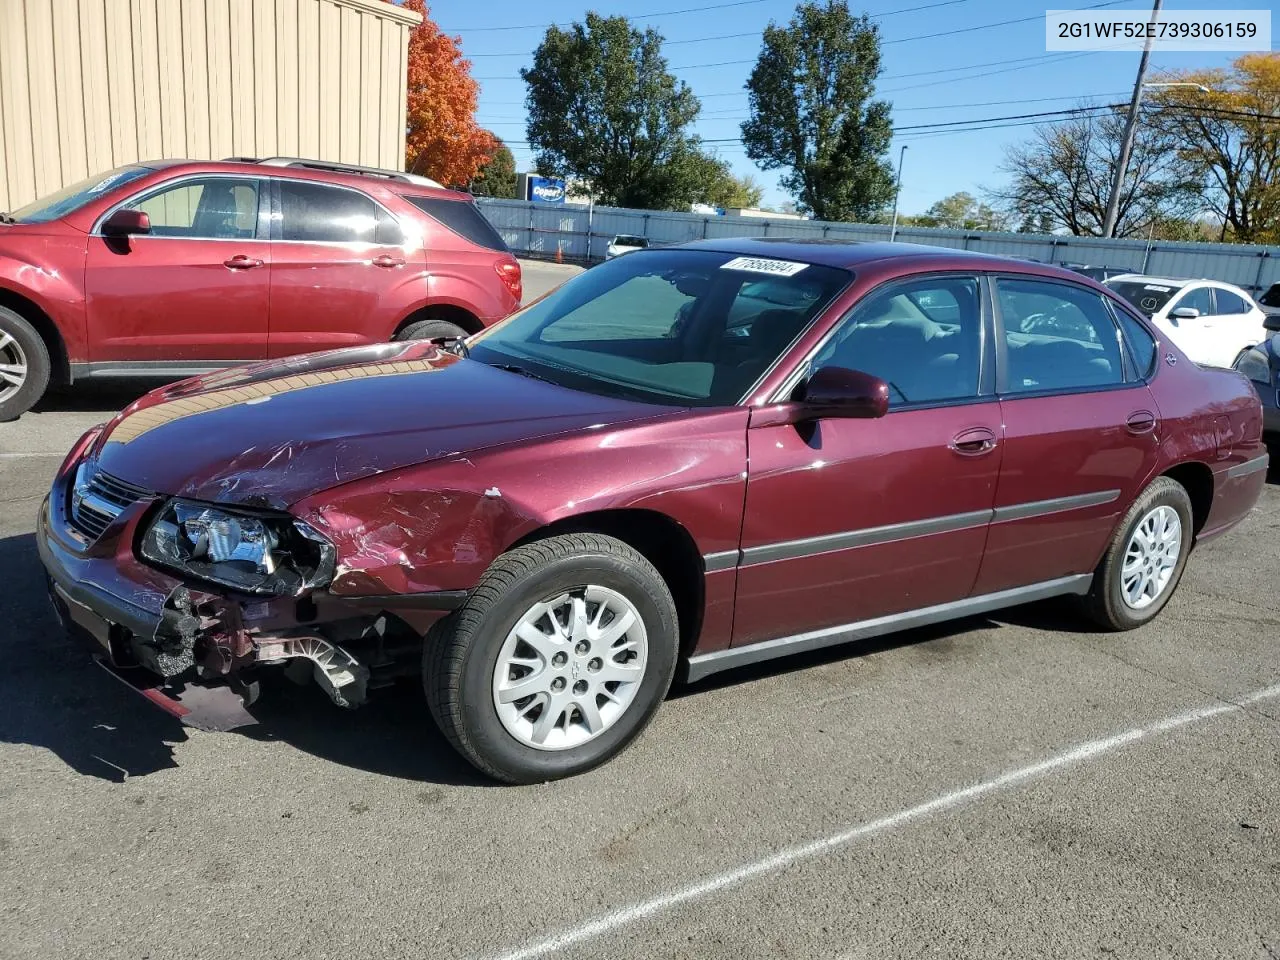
x=614 y=919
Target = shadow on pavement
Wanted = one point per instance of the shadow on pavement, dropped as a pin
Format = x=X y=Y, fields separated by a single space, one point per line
x=95 y=397
x=53 y=695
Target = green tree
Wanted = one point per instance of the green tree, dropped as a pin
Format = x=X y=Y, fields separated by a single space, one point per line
x=604 y=109
x=813 y=112
x=497 y=178
x=964 y=211
x=715 y=184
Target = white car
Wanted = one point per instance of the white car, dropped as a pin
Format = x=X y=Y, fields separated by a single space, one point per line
x=1211 y=322
x=622 y=244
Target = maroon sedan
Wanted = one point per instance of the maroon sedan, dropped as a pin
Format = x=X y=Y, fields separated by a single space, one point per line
x=694 y=457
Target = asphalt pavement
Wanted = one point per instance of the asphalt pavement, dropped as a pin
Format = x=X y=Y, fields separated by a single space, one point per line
x=1015 y=786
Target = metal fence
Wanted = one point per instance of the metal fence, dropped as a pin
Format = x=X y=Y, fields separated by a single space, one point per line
x=577 y=233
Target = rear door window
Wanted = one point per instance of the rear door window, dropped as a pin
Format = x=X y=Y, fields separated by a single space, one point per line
x=318 y=213
x=1057 y=337
x=462 y=217
x=1227 y=303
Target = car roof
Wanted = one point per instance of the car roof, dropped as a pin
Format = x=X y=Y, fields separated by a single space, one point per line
x=849 y=254
x=419 y=186
x=1163 y=281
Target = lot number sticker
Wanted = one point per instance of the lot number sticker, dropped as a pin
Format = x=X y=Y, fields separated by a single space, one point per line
x=775 y=268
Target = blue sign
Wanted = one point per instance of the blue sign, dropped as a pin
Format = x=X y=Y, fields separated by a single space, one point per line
x=545 y=189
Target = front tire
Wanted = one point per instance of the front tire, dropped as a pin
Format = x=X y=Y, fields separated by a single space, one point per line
x=1144 y=563
x=556 y=662
x=431 y=330
x=24 y=365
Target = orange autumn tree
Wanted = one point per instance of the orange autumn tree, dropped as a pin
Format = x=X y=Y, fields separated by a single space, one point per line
x=442 y=139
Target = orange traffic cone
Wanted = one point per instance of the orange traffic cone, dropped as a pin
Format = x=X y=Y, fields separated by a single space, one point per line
x=559 y=254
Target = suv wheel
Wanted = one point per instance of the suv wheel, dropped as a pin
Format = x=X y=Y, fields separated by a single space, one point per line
x=557 y=660
x=430 y=330
x=1145 y=560
x=24 y=365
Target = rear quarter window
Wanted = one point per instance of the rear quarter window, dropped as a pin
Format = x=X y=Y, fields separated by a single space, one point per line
x=462 y=217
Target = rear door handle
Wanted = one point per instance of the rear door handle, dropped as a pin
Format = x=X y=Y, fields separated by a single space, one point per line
x=974 y=442
x=1141 y=421
x=386 y=260
x=241 y=262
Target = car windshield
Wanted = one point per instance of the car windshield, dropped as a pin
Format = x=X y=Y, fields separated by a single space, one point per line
x=630 y=241
x=686 y=327
x=76 y=195
x=1147 y=295
x=1272 y=297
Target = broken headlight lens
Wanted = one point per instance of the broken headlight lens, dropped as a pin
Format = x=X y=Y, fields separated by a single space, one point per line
x=252 y=553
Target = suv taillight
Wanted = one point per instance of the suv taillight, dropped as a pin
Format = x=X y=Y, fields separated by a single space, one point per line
x=509 y=271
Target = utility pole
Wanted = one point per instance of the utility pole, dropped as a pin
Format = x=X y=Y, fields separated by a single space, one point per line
x=893 y=231
x=1130 y=128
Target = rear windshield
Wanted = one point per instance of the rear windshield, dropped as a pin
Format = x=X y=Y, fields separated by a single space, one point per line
x=630 y=242
x=1272 y=297
x=462 y=217
x=1147 y=297
x=75 y=196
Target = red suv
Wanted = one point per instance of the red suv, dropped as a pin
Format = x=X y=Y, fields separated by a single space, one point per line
x=176 y=268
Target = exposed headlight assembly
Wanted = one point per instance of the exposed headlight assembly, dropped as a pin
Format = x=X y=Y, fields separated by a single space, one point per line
x=253 y=553
x=1253 y=364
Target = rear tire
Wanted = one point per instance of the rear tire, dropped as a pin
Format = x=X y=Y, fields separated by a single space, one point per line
x=1143 y=565
x=430 y=330
x=582 y=630
x=24 y=365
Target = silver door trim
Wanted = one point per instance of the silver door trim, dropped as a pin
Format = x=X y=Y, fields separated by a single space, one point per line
x=706 y=664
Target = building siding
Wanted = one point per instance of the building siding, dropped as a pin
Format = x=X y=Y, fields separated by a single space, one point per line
x=87 y=85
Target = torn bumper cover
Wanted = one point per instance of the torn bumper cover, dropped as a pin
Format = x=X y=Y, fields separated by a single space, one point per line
x=182 y=637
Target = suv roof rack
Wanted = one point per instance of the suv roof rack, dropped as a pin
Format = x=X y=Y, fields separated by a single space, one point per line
x=351 y=168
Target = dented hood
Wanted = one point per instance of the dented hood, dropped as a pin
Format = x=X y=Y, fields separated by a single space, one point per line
x=272 y=433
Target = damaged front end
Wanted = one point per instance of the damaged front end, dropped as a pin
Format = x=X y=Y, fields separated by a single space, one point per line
x=184 y=598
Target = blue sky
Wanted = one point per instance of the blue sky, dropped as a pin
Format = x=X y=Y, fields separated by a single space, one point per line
x=995 y=71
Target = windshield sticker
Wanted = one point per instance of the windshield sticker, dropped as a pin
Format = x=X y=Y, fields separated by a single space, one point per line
x=775 y=268
x=103 y=184
x=1152 y=286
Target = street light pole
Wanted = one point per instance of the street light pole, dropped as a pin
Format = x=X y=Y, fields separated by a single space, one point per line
x=1130 y=128
x=893 y=230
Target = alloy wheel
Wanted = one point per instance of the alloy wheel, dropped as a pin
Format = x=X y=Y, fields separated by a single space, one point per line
x=1151 y=557
x=13 y=366
x=570 y=668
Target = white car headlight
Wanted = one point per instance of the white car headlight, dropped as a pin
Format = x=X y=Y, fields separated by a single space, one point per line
x=276 y=555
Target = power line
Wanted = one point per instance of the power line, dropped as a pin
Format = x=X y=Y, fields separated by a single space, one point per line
x=634 y=16
x=722 y=36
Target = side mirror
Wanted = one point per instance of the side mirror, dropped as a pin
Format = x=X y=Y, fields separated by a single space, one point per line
x=1184 y=313
x=1271 y=322
x=125 y=223
x=836 y=392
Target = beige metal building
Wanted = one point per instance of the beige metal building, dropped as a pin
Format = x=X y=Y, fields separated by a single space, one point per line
x=87 y=85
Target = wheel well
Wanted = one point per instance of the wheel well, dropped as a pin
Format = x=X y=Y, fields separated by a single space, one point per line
x=661 y=541
x=443 y=311
x=60 y=369
x=1197 y=480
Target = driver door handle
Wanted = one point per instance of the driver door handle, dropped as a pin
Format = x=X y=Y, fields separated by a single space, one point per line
x=241 y=262
x=974 y=442
x=386 y=260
